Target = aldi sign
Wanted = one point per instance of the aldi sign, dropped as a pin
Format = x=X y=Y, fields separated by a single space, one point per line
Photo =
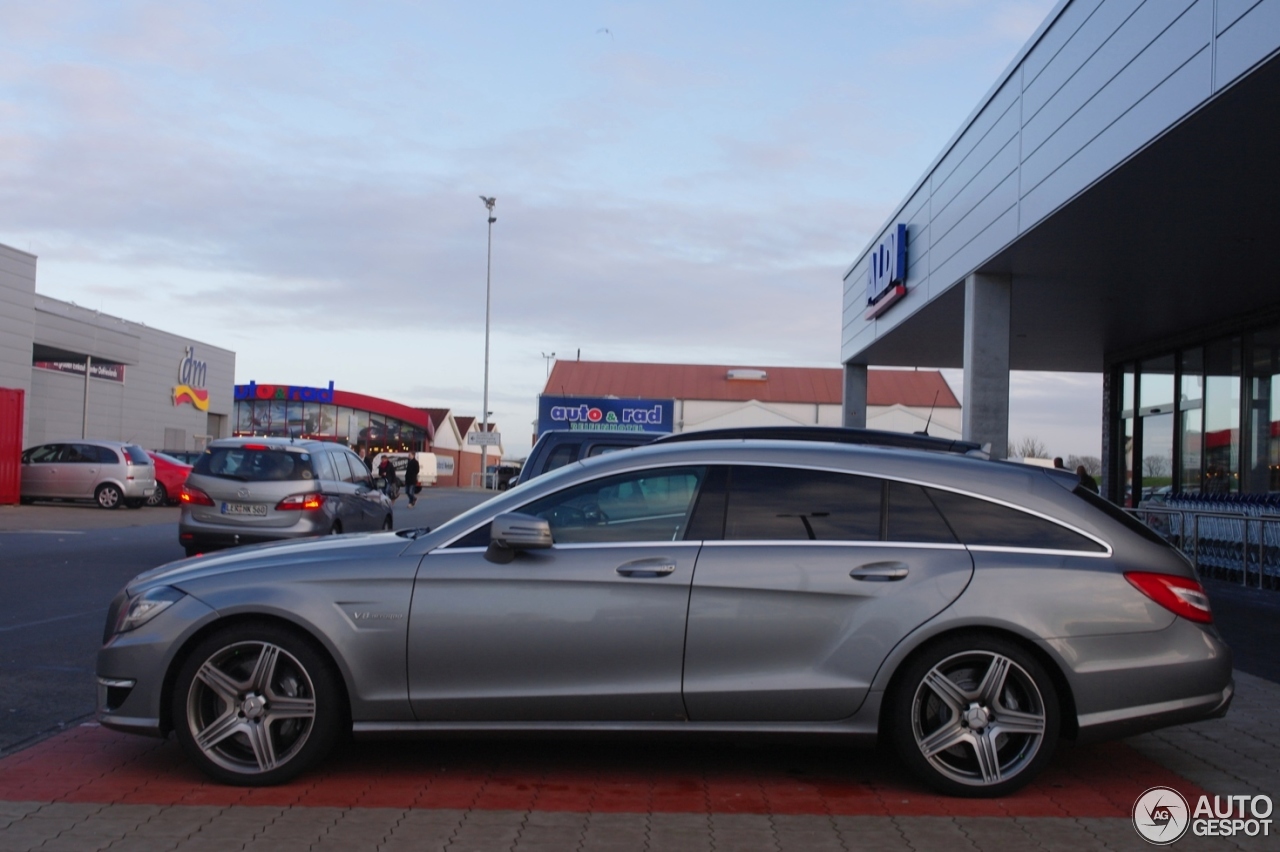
x=887 y=272
x=605 y=414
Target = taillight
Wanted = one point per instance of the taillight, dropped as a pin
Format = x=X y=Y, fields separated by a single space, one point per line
x=1177 y=594
x=190 y=496
x=300 y=502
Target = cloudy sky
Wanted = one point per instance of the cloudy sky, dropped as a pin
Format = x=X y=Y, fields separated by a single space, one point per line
x=676 y=181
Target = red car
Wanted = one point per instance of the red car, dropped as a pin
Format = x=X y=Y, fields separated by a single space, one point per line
x=170 y=474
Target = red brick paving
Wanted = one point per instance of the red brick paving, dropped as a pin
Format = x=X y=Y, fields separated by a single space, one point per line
x=92 y=764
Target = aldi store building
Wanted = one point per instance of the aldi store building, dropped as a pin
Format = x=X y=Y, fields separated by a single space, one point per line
x=1109 y=207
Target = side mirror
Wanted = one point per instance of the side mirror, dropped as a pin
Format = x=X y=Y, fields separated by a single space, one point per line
x=512 y=532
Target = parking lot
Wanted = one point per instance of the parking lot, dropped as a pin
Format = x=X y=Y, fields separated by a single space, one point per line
x=66 y=783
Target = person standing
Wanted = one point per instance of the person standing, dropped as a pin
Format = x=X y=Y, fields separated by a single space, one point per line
x=387 y=471
x=411 y=486
x=1086 y=479
x=364 y=456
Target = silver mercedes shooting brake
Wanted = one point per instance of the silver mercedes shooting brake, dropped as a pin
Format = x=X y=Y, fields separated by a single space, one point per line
x=971 y=612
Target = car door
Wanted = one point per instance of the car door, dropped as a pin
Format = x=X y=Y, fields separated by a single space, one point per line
x=590 y=629
x=792 y=613
x=40 y=470
x=81 y=466
x=351 y=473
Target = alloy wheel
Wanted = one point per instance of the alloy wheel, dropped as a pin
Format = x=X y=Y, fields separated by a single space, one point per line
x=978 y=718
x=251 y=707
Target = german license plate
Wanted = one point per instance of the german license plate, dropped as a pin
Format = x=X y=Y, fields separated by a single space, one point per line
x=251 y=509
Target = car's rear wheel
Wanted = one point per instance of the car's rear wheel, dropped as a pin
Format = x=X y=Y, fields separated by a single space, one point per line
x=108 y=496
x=256 y=704
x=159 y=497
x=975 y=716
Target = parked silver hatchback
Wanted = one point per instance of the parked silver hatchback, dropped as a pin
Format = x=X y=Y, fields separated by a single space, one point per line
x=250 y=490
x=112 y=473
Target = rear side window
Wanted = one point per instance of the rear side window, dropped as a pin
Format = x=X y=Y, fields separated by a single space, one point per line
x=137 y=455
x=788 y=504
x=259 y=464
x=913 y=516
x=561 y=456
x=981 y=523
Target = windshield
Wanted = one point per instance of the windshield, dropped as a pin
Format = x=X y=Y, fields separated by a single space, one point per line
x=255 y=464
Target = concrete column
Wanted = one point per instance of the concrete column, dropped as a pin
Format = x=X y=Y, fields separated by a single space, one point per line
x=987 y=301
x=855 y=395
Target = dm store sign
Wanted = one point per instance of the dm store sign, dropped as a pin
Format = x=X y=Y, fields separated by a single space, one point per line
x=605 y=414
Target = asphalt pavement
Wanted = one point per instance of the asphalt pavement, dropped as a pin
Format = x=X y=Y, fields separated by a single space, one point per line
x=60 y=566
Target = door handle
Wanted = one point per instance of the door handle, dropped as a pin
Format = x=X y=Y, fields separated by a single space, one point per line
x=658 y=567
x=880 y=572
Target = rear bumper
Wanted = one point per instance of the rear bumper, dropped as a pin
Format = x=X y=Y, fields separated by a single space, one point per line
x=193 y=533
x=1128 y=721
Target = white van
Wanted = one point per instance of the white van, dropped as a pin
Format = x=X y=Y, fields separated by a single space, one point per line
x=426 y=466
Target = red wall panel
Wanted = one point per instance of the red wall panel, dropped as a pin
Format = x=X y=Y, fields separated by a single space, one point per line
x=11 y=404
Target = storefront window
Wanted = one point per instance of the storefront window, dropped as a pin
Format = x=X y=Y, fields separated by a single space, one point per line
x=360 y=428
x=1155 y=398
x=1263 y=470
x=277 y=418
x=1222 y=417
x=1191 y=435
x=344 y=426
x=244 y=416
x=328 y=420
x=1124 y=446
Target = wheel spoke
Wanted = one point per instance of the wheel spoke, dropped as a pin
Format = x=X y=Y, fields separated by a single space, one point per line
x=948 y=736
x=993 y=681
x=984 y=747
x=264 y=669
x=226 y=688
x=218 y=730
x=1016 y=722
x=264 y=750
x=286 y=707
x=946 y=689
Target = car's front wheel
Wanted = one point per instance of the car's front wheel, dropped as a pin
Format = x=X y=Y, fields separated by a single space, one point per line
x=256 y=704
x=975 y=716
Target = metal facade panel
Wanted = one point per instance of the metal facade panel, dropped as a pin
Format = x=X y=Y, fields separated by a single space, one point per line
x=990 y=146
x=1230 y=11
x=1090 y=45
x=982 y=184
x=11 y=417
x=1177 y=95
x=964 y=149
x=998 y=232
x=1119 y=79
x=1254 y=37
x=1074 y=16
x=999 y=200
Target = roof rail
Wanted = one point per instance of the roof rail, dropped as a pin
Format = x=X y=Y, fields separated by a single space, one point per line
x=835 y=435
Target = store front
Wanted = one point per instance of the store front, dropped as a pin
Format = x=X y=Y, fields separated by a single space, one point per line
x=1200 y=419
x=326 y=414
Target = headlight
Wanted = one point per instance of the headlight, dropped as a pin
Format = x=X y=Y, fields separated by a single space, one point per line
x=146 y=606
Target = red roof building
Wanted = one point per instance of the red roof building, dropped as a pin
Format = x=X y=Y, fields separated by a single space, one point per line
x=713 y=395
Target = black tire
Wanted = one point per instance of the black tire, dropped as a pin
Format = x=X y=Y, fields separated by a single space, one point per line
x=134 y=503
x=974 y=715
x=159 y=497
x=108 y=496
x=265 y=699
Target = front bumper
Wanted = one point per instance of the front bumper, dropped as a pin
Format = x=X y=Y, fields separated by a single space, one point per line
x=131 y=668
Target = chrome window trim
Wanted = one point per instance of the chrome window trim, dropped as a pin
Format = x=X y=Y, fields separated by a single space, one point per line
x=793 y=542
x=1108 y=552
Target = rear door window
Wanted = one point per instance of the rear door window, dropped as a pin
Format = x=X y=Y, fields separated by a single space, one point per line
x=792 y=504
x=256 y=464
x=980 y=523
x=81 y=454
x=913 y=517
x=323 y=466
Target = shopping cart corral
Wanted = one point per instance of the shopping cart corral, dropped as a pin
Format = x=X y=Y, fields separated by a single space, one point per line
x=1232 y=537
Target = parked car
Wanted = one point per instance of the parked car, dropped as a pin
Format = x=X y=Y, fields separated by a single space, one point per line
x=503 y=476
x=185 y=456
x=970 y=612
x=250 y=490
x=559 y=447
x=170 y=474
x=111 y=473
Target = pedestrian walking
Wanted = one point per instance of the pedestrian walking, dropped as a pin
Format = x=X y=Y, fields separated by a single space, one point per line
x=390 y=484
x=411 y=486
x=1086 y=479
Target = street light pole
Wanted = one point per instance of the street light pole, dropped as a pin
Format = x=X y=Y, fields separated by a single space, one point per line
x=488 y=270
x=549 y=359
